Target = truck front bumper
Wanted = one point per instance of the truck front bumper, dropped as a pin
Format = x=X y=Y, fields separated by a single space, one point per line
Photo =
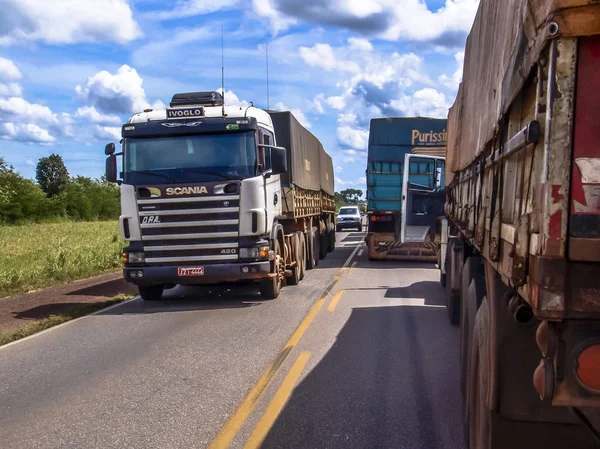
x=212 y=274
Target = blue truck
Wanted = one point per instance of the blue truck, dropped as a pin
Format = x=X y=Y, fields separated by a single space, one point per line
x=405 y=187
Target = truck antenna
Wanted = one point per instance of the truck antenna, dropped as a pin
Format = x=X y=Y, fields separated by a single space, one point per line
x=267 y=57
x=223 y=69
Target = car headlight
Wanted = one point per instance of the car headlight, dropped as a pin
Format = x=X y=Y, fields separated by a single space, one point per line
x=136 y=257
x=254 y=253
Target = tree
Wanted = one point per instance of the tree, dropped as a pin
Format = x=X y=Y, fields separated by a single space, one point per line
x=52 y=175
x=351 y=196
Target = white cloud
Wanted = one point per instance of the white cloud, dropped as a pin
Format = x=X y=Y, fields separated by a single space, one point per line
x=352 y=137
x=190 y=8
x=323 y=56
x=296 y=112
x=15 y=107
x=317 y=103
x=25 y=132
x=452 y=82
x=409 y=20
x=121 y=93
x=232 y=99
x=349 y=160
x=338 y=169
x=8 y=70
x=107 y=133
x=360 y=44
x=276 y=21
x=67 y=21
x=11 y=90
x=91 y=114
x=424 y=102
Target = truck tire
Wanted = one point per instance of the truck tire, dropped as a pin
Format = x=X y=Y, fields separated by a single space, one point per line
x=316 y=245
x=294 y=279
x=338 y=229
x=302 y=254
x=310 y=250
x=472 y=292
x=453 y=299
x=323 y=242
x=360 y=228
x=479 y=415
x=151 y=292
x=332 y=239
x=270 y=288
x=442 y=275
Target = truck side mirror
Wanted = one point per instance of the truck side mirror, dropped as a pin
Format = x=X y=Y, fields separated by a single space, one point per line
x=111 y=168
x=109 y=149
x=278 y=160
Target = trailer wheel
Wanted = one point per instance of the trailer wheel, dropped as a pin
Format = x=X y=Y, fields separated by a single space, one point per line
x=151 y=292
x=323 y=243
x=479 y=415
x=310 y=250
x=302 y=253
x=316 y=245
x=294 y=279
x=332 y=239
x=270 y=288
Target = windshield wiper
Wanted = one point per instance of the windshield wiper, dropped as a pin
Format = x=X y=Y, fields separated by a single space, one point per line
x=205 y=172
x=153 y=173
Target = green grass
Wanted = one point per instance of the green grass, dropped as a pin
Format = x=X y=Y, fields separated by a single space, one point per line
x=36 y=256
x=54 y=320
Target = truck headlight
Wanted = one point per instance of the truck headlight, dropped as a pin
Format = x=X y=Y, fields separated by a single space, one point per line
x=254 y=253
x=136 y=257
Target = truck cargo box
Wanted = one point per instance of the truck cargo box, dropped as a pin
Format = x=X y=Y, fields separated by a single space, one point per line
x=504 y=45
x=303 y=152
x=326 y=172
x=389 y=140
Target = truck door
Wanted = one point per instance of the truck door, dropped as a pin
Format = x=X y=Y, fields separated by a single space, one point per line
x=422 y=197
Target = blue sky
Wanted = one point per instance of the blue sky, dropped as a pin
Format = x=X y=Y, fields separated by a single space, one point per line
x=72 y=71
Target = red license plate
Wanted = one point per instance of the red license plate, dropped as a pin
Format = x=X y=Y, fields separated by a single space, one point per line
x=195 y=271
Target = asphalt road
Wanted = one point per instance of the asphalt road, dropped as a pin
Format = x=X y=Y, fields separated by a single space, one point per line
x=371 y=363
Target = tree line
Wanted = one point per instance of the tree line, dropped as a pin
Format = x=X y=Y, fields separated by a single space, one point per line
x=349 y=197
x=54 y=195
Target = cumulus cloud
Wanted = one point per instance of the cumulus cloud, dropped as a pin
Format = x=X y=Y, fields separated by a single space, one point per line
x=90 y=113
x=231 y=98
x=190 y=8
x=323 y=56
x=25 y=132
x=67 y=22
x=11 y=90
x=8 y=70
x=393 y=20
x=107 y=132
x=121 y=93
x=452 y=82
x=296 y=112
x=16 y=107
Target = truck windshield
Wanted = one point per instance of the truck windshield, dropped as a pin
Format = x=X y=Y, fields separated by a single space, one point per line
x=203 y=157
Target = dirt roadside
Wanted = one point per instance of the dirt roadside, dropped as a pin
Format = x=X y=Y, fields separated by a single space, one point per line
x=17 y=311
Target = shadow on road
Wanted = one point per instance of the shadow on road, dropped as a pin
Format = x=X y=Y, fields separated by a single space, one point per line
x=390 y=380
x=431 y=291
x=105 y=289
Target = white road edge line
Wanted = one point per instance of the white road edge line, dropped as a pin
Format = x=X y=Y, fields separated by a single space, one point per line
x=97 y=312
x=349 y=259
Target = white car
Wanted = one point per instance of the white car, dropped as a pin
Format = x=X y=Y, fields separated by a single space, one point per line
x=349 y=217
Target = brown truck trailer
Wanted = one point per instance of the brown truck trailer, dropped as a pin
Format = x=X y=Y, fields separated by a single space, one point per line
x=521 y=261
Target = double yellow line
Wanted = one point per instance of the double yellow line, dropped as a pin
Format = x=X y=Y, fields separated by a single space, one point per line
x=239 y=417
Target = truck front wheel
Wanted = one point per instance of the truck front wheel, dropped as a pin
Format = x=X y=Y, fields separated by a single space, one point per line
x=151 y=292
x=270 y=288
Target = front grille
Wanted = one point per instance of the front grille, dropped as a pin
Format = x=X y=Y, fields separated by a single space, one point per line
x=190 y=230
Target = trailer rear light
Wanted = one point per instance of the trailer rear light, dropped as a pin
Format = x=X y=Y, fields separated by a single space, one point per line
x=588 y=368
x=382 y=217
x=125 y=257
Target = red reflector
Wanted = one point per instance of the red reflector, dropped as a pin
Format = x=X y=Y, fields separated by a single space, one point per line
x=588 y=367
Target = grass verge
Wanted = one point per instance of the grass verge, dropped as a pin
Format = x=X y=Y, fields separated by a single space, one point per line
x=40 y=255
x=53 y=320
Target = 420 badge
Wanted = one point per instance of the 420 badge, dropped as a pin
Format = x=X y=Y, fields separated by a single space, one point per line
x=196 y=271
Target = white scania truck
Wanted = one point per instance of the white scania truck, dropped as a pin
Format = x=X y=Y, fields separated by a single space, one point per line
x=208 y=197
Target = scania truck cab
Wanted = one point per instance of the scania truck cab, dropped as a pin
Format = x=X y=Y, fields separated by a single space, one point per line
x=200 y=194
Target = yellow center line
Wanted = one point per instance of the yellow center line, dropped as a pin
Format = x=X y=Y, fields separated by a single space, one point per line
x=274 y=409
x=352 y=267
x=335 y=300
